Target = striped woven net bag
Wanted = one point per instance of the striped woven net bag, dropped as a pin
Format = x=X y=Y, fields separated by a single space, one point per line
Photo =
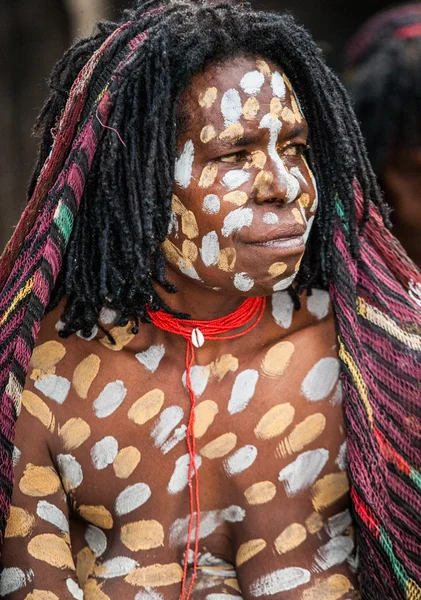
x=377 y=303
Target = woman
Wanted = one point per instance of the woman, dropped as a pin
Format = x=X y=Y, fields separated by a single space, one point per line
x=384 y=77
x=191 y=443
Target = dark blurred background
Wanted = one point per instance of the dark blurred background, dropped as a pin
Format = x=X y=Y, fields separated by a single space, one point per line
x=35 y=33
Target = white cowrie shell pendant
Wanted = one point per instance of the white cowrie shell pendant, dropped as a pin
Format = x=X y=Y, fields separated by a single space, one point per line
x=197 y=338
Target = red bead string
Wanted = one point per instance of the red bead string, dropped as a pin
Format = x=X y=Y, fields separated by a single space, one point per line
x=250 y=313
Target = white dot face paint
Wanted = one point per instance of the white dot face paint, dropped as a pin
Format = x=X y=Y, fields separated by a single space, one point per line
x=236 y=220
x=288 y=181
x=284 y=283
x=12 y=579
x=243 y=282
x=211 y=204
x=210 y=249
x=252 y=82
x=109 y=399
x=234 y=179
x=270 y=218
x=184 y=165
x=278 y=85
x=231 y=107
x=165 y=424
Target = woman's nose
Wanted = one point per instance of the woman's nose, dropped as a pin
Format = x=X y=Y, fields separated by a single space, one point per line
x=276 y=183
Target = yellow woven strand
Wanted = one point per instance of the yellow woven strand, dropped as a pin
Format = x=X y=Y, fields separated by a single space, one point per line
x=413 y=590
x=358 y=379
x=375 y=316
x=19 y=296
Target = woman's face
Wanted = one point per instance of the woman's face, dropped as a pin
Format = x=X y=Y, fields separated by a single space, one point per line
x=244 y=196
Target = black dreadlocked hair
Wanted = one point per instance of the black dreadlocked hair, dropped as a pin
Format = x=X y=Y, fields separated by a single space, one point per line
x=114 y=253
x=384 y=78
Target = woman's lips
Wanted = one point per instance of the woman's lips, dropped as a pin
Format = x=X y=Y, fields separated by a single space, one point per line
x=293 y=243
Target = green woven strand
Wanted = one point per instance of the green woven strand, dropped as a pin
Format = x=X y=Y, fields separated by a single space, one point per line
x=64 y=221
x=398 y=568
x=415 y=476
x=340 y=212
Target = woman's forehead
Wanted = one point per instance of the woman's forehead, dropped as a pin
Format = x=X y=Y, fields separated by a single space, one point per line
x=237 y=89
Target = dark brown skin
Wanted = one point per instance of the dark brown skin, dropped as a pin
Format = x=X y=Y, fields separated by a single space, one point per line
x=277 y=543
x=401 y=182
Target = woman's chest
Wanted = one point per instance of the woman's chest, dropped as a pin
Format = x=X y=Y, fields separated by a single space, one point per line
x=268 y=440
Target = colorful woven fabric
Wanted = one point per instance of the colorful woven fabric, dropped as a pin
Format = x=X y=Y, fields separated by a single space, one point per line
x=377 y=302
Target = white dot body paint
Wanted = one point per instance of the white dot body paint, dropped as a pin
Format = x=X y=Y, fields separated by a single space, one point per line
x=131 y=498
x=52 y=514
x=234 y=179
x=164 y=425
x=151 y=357
x=12 y=579
x=291 y=184
x=178 y=435
x=184 y=165
x=341 y=459
x=173 y=227
x=109 y=399
x=231 y=107
x=54 y=387
x=96 y=540
x=16 y=455
x=243 y=282
x=211 y=204
x=210 y=520
x=210 y=249
x=318 y=303
x=179 y=478
x=321 y=379
x=241 y=460
x=242 y=391
x=148 y=594
x=74 y=589
x=236 y=220
x=284 y=283
x=278 y=85
x=279 y=581
x=337 y=524
x=89 y=337
x=104 y=452
x=282 y=309
x=303 y=471
x=107 y=316
x=117 y=567
x=335 y=552
x=270 y=218
x=70 y=470
x=199 y=376
x=252 y=82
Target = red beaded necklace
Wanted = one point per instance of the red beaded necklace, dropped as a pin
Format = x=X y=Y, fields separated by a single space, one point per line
x=196 y=333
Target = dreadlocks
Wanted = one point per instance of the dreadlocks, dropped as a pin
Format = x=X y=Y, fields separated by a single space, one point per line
x=114 y=253
x=384 y=74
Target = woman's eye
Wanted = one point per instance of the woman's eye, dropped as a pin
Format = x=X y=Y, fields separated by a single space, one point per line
x=294 y=150
x=235 y=157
